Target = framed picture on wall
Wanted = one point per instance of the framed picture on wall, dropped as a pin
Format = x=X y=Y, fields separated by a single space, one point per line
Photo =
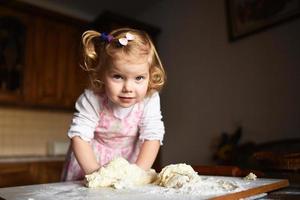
x=246 y=17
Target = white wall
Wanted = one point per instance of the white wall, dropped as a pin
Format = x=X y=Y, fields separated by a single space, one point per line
x=27 y=132
x=213 y=85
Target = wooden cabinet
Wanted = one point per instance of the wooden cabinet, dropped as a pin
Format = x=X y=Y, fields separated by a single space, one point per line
x=27 y=173
x=14 y=29
x=55 y=63
x=50 y=75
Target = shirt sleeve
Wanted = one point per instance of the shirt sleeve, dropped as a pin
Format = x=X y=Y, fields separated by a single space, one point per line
x=86 y=116
x=151 y=125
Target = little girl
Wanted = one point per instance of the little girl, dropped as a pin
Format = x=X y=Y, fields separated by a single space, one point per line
x=120 y=114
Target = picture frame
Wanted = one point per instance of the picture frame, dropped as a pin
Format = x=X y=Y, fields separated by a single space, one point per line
x=246 y=17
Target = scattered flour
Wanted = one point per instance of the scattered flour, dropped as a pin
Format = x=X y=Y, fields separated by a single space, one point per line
x=207 y=186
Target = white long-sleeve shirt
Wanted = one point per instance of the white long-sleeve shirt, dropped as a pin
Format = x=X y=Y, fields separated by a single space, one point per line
x=87 y=117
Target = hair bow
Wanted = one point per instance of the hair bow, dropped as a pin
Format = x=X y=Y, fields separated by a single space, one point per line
x=106 y=37
x=124 y=41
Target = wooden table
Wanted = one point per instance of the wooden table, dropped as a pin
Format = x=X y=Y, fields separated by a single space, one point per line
x=76 y=190
x=289 y=193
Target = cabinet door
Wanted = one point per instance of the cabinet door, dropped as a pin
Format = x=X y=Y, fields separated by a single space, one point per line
x=49 y=62
x=15 y=39
x=27 y=173
x=55 y=61
x=76 y=79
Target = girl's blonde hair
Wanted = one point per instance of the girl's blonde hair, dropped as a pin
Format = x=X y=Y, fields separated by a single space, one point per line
x=99 y=55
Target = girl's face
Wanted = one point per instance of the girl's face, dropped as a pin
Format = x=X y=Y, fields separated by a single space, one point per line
x=126 y=83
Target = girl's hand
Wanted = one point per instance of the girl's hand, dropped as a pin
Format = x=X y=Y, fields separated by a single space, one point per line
x=148 y=154
x=84 y=155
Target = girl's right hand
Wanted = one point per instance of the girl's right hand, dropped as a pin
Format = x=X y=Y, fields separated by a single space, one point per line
x=84 y=154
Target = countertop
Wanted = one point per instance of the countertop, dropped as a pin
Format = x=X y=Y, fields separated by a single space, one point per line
x=77 y=190
x=19 y=159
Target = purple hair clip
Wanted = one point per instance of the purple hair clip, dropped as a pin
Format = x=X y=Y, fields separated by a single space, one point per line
x=106 y=37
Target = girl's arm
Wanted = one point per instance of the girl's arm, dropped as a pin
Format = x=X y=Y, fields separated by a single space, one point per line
x=148 y=153
x=84 y=155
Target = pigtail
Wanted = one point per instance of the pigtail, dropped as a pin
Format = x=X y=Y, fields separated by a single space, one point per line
x=89 y=53
x=93 y=55
x=157 y=73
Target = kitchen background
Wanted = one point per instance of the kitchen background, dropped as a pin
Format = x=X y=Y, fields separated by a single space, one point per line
x=214 y=85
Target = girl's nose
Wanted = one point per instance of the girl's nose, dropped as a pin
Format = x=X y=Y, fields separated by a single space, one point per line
x=127 y=87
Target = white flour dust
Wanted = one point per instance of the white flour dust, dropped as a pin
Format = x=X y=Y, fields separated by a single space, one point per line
x=206 y=186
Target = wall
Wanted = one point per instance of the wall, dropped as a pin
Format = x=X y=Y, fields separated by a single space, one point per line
x=31 y=132
x=214 y=85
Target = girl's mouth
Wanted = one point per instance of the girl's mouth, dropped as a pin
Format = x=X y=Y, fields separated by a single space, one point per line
x=126 y=99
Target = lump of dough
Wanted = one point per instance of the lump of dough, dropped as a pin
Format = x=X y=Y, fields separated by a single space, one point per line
x=250 y=177
x=119 y=173
x=176 y=175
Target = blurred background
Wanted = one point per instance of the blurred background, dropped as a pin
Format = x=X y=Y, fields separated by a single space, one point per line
x=232 y=94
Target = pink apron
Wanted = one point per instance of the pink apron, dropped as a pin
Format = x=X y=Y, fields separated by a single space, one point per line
x=113 y=137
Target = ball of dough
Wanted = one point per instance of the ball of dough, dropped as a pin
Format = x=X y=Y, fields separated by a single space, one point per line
x=119 y=173
x=176 y=175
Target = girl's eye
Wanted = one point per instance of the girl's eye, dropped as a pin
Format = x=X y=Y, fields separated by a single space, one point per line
x=116 y=76
x=139 y=78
